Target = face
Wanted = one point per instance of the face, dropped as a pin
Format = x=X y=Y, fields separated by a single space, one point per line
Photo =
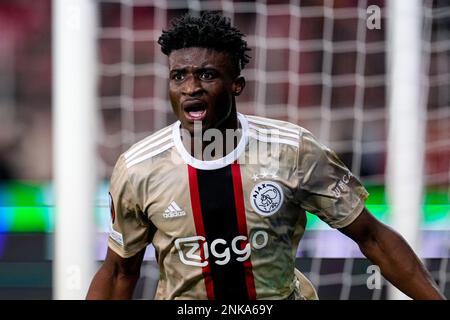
x=202 y=87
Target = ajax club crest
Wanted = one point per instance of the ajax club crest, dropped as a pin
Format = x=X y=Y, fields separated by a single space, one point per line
x=266 y=198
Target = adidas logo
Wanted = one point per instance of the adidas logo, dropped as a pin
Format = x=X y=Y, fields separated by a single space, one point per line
x=173 y=211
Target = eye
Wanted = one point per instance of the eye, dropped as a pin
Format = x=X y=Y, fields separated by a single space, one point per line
x=177 y=76
x=207 y=75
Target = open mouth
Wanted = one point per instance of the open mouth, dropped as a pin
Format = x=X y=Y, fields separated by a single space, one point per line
x=195 y=111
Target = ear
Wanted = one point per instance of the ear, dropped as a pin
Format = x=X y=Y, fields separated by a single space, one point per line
x=238 y=85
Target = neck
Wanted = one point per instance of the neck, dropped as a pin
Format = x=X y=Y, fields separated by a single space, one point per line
x=229 y=123
x=217 y=142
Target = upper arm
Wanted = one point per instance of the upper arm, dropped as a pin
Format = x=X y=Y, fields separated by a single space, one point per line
x=364 y=228
x=118 y=265
x=117 y=277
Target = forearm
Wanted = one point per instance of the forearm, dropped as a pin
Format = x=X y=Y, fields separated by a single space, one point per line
x=110 y=285
x=400 y=265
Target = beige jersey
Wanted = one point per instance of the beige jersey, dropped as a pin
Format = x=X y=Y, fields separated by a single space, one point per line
x=228 y=228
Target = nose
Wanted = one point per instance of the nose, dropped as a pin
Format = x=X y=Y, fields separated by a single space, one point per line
x=192 y=86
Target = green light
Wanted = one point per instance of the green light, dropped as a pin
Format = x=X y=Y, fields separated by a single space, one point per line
x=29 y=207
x=32 y=219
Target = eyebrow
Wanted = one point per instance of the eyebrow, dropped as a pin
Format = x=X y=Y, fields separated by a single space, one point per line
x=177 y=70
x=183 y=69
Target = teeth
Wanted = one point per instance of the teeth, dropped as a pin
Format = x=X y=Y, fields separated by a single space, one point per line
x=196 y=113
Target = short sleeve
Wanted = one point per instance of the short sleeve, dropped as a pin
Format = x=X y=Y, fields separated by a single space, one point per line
x=326 y=186
x=129 y=231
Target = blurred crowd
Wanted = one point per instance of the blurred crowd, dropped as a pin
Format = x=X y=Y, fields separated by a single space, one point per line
x=25 y=90
x=25 y=83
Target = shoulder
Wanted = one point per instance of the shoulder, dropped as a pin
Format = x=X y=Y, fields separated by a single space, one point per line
x=139 y=161
x=149 y=147
x=280 y=131
x=273 y=124
x=285 y=132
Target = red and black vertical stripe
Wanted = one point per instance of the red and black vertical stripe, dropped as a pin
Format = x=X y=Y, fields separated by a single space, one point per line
x=219 y=213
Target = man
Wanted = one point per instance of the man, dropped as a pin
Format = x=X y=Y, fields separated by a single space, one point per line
x=223 y=225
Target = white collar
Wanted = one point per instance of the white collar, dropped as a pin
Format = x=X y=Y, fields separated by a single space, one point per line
x=211 y=164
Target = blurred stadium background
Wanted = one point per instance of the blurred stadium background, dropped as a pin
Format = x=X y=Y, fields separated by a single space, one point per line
x=314 y=63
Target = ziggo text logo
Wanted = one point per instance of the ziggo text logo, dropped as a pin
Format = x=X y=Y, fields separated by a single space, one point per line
x=188 y=248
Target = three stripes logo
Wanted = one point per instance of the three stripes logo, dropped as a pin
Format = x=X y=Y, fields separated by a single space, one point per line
x=173 y=211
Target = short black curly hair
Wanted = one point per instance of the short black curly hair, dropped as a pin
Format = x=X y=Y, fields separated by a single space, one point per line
x=209 y=30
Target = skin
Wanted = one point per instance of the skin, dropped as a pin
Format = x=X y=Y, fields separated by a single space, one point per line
x=117 y=277
x=207 y=75
x=388 y=250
